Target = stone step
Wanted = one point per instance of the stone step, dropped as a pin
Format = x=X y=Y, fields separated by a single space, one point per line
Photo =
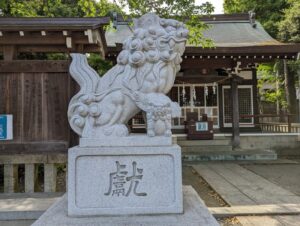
x=183 y=143
x=207 y=148
x=216 y=137
x=250 y=155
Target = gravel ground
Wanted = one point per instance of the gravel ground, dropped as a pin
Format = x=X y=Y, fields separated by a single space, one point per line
x=207 y=194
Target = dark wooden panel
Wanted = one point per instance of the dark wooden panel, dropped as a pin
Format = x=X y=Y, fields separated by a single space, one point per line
x=11 y=101
x=32 y=110
x=207 y=63
x=38 y=103
x=56 y=91
x=34 y=66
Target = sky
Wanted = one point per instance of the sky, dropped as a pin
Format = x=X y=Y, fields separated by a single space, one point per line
x=218 y=4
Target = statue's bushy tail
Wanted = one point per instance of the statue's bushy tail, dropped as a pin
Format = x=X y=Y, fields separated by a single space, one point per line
x=83 y=74
x=88 y=80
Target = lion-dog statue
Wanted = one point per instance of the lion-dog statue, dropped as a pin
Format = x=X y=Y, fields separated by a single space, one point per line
x=145 y=72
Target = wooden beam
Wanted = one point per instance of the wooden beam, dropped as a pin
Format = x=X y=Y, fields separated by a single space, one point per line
x=9 y=52
x=259 y=50
x=90 y=35
x=209 y=63
x=54 y=38
x=62 y=48
x=34 y=66
x=69 y=42
x=200 y=79
x=235 y=114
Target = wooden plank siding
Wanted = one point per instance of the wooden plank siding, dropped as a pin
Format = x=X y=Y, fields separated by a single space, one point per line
x=38 y=102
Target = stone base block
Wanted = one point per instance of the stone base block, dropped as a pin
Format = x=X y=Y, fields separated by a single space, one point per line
x=124 y=180
x=195 y=214
x=134 y=140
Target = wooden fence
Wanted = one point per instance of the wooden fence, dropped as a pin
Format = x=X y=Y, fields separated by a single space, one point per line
x=11 y=179
x=283 y=123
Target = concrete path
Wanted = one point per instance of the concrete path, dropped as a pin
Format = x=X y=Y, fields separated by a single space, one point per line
x=24 y=208
x=258 y=210
x=270 y=221
x=239 y=186
x=286 y=176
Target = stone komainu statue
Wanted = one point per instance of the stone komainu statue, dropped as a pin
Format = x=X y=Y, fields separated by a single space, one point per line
x=145 y=72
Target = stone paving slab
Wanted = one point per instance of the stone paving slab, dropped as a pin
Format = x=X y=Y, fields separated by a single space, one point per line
x=270 y=220
x=24 y=208
x=239 y=186
x=277 y=174
x=283 y=209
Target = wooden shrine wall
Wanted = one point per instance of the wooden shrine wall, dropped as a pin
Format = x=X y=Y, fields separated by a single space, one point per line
x=37 y=95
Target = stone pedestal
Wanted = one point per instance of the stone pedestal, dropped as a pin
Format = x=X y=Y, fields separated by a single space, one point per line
x=135 y=181
x=195 y=214
x=124 y=180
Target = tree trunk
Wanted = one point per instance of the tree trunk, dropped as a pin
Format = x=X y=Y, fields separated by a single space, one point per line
x=290 y=90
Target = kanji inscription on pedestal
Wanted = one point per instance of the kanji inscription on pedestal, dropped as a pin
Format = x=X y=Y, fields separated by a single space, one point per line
x=119 y=179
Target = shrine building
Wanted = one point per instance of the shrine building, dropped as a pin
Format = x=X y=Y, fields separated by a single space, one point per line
x=220 y=81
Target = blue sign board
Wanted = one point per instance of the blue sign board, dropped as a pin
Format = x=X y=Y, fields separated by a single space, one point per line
x=6 y=127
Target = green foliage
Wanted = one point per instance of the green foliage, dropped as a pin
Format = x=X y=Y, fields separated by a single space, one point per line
x=100 y=65
x=289 y=27
x=35 y=8
x=269 y=74
x=183 y=10
x=57 y=8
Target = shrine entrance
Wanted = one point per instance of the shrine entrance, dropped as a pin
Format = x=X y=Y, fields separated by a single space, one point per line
x=245 y=99
x=200 y=98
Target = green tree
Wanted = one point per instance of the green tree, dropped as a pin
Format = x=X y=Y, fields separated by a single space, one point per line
x=183 y=10
x=289 y=27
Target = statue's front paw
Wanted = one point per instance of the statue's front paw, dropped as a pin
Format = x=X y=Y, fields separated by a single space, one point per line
x=168 y=133
x=150 y=133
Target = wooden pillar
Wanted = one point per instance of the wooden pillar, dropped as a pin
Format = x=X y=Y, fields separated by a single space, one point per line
x=29 y=178
x=49 y=177
x=235 y=114
x=255 y=96
x=10 y=178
